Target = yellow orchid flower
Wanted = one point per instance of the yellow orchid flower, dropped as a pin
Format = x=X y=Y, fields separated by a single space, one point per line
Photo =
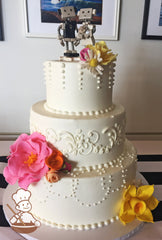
x=138 y=203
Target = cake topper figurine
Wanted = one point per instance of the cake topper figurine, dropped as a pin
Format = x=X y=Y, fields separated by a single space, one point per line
x=68 y=27
x=86 y=31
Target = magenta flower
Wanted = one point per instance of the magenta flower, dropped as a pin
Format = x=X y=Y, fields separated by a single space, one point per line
x=84 y=54
x=26 y=163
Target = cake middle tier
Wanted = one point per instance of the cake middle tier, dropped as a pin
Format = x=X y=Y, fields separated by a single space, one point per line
x=86 y=141
x=73 y=90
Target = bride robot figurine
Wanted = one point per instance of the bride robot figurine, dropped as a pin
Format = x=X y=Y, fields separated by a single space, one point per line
x=86 y=30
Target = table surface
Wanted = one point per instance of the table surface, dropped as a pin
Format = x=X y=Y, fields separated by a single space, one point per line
x=153 y=167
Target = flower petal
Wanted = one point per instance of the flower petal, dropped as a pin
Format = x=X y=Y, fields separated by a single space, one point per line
x=11 y=179
x=123 y=207
x=145 y=192
x=26 y=180
x=84 y=54
x=152 y=203
x=146 y=216
x=126 y=214
x=126 y=195
x=129 y=192
x=22 y=137
x=132 y=191
x=127 y=218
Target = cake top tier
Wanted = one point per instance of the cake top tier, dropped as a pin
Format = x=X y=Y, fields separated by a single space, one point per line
x=72 y=89
x=80 y=85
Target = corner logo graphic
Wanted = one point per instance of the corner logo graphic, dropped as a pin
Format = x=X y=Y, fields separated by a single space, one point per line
x=23 y=221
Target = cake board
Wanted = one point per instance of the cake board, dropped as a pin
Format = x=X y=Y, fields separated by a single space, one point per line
x=114 y=231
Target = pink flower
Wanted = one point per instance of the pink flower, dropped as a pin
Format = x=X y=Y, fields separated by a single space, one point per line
x=52 y=176
x=84 y=54
x=26 y=162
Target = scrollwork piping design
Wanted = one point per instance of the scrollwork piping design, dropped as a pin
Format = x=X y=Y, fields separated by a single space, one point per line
x=115 y=134
x=82 y=143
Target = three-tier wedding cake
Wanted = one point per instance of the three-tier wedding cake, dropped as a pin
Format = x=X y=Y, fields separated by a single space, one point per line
x=77 y=163
x=80 y=119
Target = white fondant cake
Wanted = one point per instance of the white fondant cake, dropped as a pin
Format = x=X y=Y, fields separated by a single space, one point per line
x=74 y=90
x=80 y=120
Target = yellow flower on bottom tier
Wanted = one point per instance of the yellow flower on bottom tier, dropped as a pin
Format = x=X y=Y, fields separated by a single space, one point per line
x=138 y=203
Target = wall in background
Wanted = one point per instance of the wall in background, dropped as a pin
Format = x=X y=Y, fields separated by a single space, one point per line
x=138 y=84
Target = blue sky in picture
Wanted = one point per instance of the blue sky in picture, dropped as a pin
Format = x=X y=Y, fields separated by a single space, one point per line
x=46 y=5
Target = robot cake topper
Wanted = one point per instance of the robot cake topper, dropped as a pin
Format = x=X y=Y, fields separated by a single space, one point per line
x=68 y=33
x=87 y=29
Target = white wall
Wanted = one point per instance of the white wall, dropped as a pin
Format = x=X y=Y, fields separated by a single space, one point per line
x=138 y=83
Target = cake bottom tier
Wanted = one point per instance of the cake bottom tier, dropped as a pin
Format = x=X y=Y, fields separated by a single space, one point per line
x=85 y=199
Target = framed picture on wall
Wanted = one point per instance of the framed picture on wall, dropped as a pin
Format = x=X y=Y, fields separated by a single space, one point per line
x=1 y=32
x=42 y=18
x=152 y=20
x=1 y=25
